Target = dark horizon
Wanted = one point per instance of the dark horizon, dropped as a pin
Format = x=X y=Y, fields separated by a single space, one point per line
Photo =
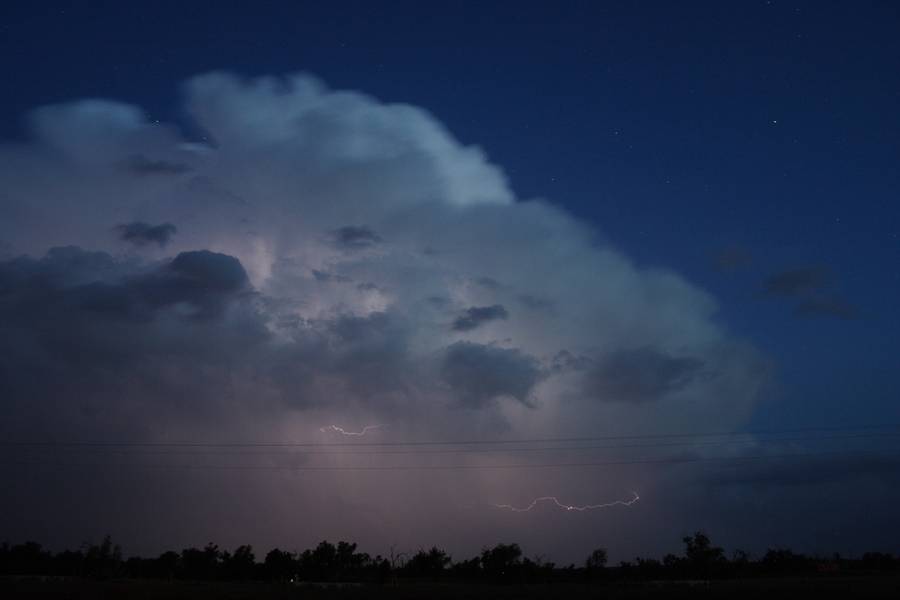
x=506 y=562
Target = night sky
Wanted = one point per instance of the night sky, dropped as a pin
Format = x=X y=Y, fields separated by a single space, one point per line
x=456 y=222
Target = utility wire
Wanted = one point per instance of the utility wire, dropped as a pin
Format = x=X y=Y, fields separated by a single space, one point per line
x=662 y=461
x=132 y=444
x=287 y=451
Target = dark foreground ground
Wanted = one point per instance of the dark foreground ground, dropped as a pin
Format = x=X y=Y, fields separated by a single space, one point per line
x=767 y=589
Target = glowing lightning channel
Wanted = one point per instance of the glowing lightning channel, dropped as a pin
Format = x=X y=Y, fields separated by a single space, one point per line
x=569 y=507
x=342 y=431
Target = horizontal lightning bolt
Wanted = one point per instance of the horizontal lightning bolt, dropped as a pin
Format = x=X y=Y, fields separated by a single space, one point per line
x=342 y=431
x=569 y=507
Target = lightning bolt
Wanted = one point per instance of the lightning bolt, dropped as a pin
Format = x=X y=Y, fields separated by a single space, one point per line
x=342 y=431
x=569 y=507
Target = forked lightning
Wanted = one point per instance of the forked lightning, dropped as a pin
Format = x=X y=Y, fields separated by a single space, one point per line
x=342 y=431
x=569 y=507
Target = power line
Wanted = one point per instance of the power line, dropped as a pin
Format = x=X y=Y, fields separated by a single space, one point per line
x=478 y=450
x=131 y=444
x=661 y=461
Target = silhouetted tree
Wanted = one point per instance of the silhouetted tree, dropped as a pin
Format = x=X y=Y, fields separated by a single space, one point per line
x=26 y=559
x=318 y=564
x=467 y=569
x=672 y=562
x=280 y=565
x=167 y=565
x=537 y=569
x=430 y=563
x=740 y=563
x=648 y=568
x=348 y=562
x=381 y=569
x=880 y=562
x=68 y=563
x=240 y=565
x=596 y=560
x=595 y=563
x=501 y=560
x=102 y=560
x=703 y=558
x=200 y=564
x=784 y=561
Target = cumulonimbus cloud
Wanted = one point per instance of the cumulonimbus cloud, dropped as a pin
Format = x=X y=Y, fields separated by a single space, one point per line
x=306 y=189
x=335 y=255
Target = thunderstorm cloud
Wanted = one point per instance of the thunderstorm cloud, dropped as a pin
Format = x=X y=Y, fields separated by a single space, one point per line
x=338 y=260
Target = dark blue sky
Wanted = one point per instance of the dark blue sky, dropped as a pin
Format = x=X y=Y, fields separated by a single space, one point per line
x=682 y=130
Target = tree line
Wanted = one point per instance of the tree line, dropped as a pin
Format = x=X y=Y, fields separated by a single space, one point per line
x=342 y=562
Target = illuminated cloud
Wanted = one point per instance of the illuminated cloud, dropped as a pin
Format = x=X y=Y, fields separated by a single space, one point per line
x=338 y=260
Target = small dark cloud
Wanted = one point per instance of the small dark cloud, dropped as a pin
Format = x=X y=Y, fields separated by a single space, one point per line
x=438 y=301
x=70 y=282
x=212 y=271
x=806 y=285
x=535 y=302
x=478 y=315
x=639 y=375
x=366 y=287
x=355 y=329
x=141 y=234
x=142 y=165
x=566 y=361
x=325 y=276
x=488 y=282
x=732 y=258
x=795 y=282
x=201 y=279
x=355 y=237
x=826 y=307
x=478 y=373
x=370 y=353
x=89 y=295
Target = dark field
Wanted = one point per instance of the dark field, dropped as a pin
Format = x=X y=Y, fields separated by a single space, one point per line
x=818 y=587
